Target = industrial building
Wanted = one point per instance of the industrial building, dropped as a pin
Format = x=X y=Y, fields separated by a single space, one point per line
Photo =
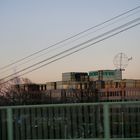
x=123 y=90
x=95 y=86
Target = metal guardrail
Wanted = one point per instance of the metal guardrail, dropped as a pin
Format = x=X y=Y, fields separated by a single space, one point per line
x=78 y=114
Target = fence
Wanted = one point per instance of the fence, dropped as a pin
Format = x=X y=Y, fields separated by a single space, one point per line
x=103 y=121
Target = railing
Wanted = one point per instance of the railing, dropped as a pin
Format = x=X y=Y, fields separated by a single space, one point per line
x=100 y=121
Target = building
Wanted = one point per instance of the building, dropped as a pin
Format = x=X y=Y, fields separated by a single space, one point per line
x=123 y=90
x=105 y=75
x=95 y=86
x=75 y=76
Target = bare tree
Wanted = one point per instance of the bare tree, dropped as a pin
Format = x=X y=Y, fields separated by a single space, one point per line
x=9 y=94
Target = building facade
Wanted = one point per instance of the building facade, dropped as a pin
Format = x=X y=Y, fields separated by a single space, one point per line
x=97 y=86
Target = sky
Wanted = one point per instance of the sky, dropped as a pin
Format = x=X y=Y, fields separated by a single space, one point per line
x=27 y=26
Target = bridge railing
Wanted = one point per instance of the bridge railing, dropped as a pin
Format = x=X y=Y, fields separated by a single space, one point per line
x=103 y=121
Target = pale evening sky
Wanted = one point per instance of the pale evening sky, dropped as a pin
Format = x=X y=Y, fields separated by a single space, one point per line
x=27 y=26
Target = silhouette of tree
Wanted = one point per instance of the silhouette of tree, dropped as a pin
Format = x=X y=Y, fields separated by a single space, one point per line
x=10 y=95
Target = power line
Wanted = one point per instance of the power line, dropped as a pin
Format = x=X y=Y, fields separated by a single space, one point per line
x=62 y=41
x=83 y=48
x=27 y=61
x=74 y=51
x=65 y=51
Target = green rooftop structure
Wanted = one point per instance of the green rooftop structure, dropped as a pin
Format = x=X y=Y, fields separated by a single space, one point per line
x=105 y=75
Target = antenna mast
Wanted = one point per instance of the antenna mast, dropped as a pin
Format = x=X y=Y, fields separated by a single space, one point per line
x=121 y=62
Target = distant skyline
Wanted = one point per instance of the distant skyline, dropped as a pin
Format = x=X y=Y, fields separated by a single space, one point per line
x=27 y=26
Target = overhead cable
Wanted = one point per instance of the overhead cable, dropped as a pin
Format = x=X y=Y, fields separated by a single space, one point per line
x=109 y=36
x=62 y=41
